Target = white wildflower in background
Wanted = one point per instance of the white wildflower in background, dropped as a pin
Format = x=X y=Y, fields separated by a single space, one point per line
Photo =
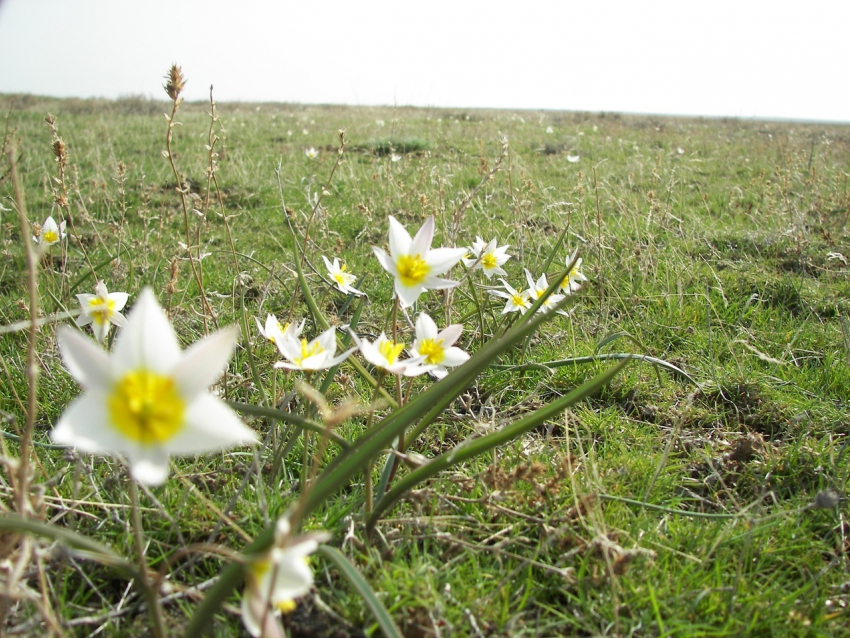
x=572 y=159
x=148 y=399
x=275 y=332
x=536 y=290
x=395 y=157
x=341 y=277
x=276 y=579
x=317 y=354
x=311 y=152
x=550 y=130
x=572 y=282
x=49 y=232
x=438 y=348
x=680 y=150
x=517 y=301
x=102 y=309
x=383 y=353
x=488 y=257
x=414 y=264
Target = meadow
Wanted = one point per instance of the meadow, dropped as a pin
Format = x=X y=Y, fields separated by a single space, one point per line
x=560 y=488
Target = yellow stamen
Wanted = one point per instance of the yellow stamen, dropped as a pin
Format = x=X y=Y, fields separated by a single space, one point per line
x=308 y=350
x=390 y=350
x=146 y=407
x=488 y=261
x=412 y=269
x=51 y=237
x=433 y=350
x=101 y=310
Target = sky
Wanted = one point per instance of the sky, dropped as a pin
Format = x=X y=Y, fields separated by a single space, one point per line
x=743 y=58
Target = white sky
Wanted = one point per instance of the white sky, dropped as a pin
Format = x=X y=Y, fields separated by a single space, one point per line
x=744 y=58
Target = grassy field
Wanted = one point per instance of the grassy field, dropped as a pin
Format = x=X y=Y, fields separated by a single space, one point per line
x=703 y=503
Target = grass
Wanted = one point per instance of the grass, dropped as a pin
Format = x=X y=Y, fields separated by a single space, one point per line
x=656 y=508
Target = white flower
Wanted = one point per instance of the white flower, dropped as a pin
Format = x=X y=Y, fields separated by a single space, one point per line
x=536 y=290
x=383 y=353
x=102 y=309
x=311 y=152
x=318 y=354
x=517 y=301
x=276 y=579
x=572 y=282
x=341 y=278
x=680 y=150
x=395 y=157
x=488 y=257
x=413 y=264
x=550 y=130
x=148 y=399
x=572 y=159
x=49 y=233
x=438 y=348
x=275 y=332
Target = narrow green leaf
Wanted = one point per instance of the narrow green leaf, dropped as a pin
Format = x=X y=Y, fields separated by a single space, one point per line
x=476 y=447
x=359 y=583
x=288 y=417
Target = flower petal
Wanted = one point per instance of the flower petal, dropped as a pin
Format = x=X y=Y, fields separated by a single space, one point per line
x=210 y=426
x=386 y=261
x=443 y=259
x=148 y=341
x=425 y=327
x=148 y=464
x=203 y=363
x=421 y=244
x=408 y=296
x=89 y=364
x=399 y=239
x=85 y=425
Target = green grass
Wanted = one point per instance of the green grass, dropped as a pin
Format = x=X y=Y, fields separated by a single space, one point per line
x=721 y=259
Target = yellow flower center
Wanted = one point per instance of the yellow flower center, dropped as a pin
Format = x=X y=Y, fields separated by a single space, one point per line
x=412 y=270
x=146 y=407
x=390 y=350
x=433 y=350
x=488 y=261
x=51 y=237
x=519 y=300
x=308 y=350
x=101 y=310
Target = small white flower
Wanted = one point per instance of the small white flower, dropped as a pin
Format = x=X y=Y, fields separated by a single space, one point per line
x=317 y=354
x=395 y=157
x=341 y=277
x=414 y=264
x=536 y=290
x=572 y=159
x=102 y=309
x=148 y=399
x=517 y=301
x=383 y=353
x=438 y=347
x=680 y=150
x=380 y=122
x=311 y=152
x=572 y=282
x=275 y=332
x=276 y=579
x=550 y=130
x=488 y=257
x=49 y=233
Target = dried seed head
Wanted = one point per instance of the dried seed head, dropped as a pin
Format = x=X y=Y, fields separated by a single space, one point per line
x=174 y=82
x=60 y=150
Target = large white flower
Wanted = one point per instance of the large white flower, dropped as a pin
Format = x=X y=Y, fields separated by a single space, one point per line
x=341 y=277
x=536 y=290
x=383 y=353
x=488 y=257
x=49 y=232
x=517 y=301
x=148 y=399
x=102 y=309
x=572 y=282
x=413 y=264
x=276 y=579
x=275 y=332
x=438 y=347
x=318 y=354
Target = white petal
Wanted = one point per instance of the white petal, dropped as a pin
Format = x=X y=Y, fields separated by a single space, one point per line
x=425 y=327
x=254 y=611
x=85 y=425
x=451 y=334
x=399 y=239
x=385 y=260
x=210 y=426
x=100 y=330
x=203 y=363
x=88 y=363
x=148 y=464
x=118 y=319
x=441 y=260
x=407 y=296
x=120 y=299
x=438 y=283
x=148 y=341
x=421 y=244
x=454 y=356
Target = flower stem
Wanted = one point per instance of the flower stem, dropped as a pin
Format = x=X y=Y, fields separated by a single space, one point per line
x=149 y=591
